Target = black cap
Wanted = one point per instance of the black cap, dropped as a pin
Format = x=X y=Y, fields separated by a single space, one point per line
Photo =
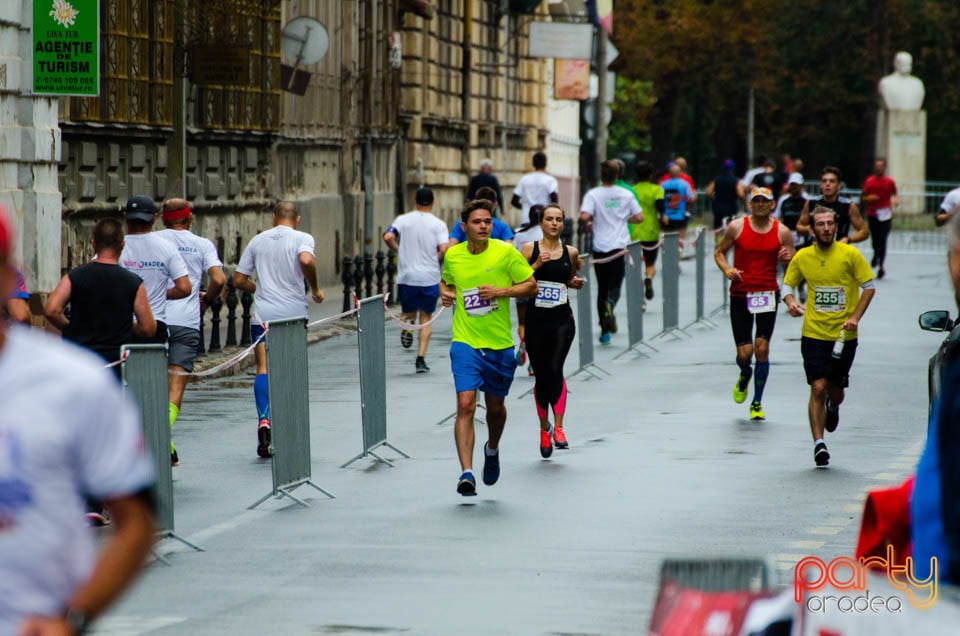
x=424 y=196
x=140 y=208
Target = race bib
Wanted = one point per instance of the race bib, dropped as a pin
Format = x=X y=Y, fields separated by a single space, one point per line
x=476 y=306
x=761 y=302
x=830 y=299
x=550 y=294
x=884 y=214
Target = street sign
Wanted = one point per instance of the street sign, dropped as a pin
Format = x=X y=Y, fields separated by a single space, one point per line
x=66 y=47
x=226 y=66
x=560 y=40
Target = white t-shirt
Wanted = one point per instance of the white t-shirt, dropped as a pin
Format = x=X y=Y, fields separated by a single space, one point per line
x=610 y=207
x=157 y=262
x=950 y=201
x=421 y=234
x=747 y=181
x=521 y=237
x=200 y=255
x=275 y=256
x=67 y=432
x=534 y=188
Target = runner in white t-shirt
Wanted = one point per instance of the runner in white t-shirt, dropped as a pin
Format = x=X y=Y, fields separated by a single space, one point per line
x=420 y=240
x=154 y=260
x=606 y=210
x=949 y=207
x=184 y=315
x=535 y=188
x=67 y=433
x=283 y=260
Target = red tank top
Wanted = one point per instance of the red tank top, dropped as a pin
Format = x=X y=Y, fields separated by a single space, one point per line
x=755 y=255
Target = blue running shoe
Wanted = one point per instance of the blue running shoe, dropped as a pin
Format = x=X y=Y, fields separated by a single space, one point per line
x=491 y=467
x=604 y=338
x=467 y=485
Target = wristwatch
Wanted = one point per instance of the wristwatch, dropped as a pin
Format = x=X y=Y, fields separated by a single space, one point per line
x=77 y=621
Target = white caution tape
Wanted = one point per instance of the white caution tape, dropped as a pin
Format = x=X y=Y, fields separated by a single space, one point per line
x=409 y=326
x=653 y=247
x=611 y=258
x=226 y=363
x=123 y=357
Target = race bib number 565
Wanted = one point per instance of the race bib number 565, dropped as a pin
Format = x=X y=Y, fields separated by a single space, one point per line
x=550 y=294
x=476 y=306
x=830 y=299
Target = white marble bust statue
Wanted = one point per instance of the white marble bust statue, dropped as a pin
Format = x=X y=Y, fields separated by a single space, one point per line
x=900 y=90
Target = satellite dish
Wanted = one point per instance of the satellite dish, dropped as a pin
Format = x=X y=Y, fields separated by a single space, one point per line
x=304 y=41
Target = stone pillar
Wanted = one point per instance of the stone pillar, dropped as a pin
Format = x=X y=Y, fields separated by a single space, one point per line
x=29 y=151
x=902 y=139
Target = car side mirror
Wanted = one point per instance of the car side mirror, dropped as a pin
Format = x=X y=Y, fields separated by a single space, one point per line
x=936 y=320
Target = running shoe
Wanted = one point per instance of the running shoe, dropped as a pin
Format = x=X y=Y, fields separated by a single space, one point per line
x=421 y=365
x=881 y=273
x=873 y=262
x=263 y=439
x=491 y=467
x=560 y=438
x=467 y=485
x=648 y=288
x=406 y=337
x=821 y=455
x=611 y=318
x=756 y=411
x=98 y=518
x=522 y=354
x=740 y=391
x=833 y=417
x=174 y=458
x=530 y=370
x=546 y=443
x=605 y=339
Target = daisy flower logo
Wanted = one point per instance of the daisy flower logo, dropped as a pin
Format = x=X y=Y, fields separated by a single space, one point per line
x=63 y=13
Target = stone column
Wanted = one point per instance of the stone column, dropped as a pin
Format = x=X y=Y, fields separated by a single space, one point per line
x=902 y=139
x=29 y=151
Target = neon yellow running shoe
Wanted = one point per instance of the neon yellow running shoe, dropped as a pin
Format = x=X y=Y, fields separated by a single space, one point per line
x=740 y=394
x=756 y=411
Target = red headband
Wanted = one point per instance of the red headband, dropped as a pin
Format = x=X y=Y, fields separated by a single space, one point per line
x=6 y=237
x=177 y=215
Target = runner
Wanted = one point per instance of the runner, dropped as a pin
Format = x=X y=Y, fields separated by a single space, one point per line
x=606 y=210
x=835 y=273
x=500 y=229
x=880 y=197
x=677 y=193
x=479 y=278
x=550 y=324
x=529 y=232
x=725 y=192
x=17 y=307
x=848 y=214
x=758 y=243
x=650 y=197
x=420 y=240
x=788 y=211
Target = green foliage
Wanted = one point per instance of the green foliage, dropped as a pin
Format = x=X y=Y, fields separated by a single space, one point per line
x=629 y=130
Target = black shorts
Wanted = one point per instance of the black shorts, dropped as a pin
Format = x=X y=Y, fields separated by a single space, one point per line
x=742 y=322
x=819 y=363
x=650 y=251
x=675 y=225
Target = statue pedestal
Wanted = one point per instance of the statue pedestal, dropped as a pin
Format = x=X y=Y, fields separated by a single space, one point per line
x=902 y=139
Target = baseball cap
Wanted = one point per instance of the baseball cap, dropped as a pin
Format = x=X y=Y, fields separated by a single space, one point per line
x=6 y=237
x=424 y=196
x=762 y=193
x=140 y=208
x=795 y=177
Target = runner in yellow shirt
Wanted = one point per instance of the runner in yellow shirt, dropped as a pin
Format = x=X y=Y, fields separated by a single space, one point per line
x=835 y=273
x=479 y=278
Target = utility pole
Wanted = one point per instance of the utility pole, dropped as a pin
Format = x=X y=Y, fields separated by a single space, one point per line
x=750 y=110
x=177 y=159
x=602 y=99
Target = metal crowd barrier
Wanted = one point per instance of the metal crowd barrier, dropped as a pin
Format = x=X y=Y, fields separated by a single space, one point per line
x=635 y=300
x=670 y=275
x=145 y=376
x=585 y=325
x=701 y=274
x=288 y=387
x=373 y=379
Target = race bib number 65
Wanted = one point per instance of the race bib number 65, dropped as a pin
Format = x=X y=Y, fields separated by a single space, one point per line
x=476 y=306
x=830 y=299
x=761 y=302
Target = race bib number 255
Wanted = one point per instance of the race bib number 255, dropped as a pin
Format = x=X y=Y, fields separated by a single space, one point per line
x=830 y=299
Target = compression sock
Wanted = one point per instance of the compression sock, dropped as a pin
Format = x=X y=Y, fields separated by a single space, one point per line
x=261 y=396
x=174 y=414
x=746 y=372
x=560 y=407
x=760 y=380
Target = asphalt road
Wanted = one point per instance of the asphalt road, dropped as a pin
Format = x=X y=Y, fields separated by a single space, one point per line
x=661 y=463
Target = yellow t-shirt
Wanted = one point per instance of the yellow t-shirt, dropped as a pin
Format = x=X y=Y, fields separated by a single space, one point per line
x=833 y=280
x=477 y=323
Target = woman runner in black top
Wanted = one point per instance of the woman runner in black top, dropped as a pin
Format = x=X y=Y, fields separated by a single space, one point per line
x=549 y=323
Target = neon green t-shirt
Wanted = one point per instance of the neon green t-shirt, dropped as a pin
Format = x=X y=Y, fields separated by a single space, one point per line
x=476 y=323
x=833 y=287
x=647 y=195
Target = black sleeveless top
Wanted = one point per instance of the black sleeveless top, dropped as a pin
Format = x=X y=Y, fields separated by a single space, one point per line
x=554 y=271
x=101 y=307
x=725 y=195
x=791 y=209
x=842 y=207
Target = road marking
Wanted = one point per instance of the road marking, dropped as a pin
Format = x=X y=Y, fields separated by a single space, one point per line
x=807 y=545
x=134 y=625
x=829 y=529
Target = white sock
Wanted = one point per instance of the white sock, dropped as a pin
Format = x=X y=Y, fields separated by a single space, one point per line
x=819 y=441
x=468 y=471
x=490 y=452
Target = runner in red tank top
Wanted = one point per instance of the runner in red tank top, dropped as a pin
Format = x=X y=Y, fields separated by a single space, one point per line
x=759 y=243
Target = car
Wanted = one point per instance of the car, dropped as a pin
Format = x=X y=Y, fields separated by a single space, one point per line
x=940 y=320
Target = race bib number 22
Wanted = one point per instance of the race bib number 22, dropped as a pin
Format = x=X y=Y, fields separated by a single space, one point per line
x=476 y=306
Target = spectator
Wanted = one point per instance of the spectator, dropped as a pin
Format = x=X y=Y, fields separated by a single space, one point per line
x=485 y=179
x=17 y=306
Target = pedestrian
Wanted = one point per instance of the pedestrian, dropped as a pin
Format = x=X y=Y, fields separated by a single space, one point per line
x=17 y=307
x=835 y=273
x=605 y=211
x=420 y=240
x=537 y=188
x=848 y=214
x=479 y=278
x=155 y=261
x=677 y=194
x=103 y=299
x=881 y=199
x=184 y=315
x=526 y=233
x=758 y=167
x=485 y=179
x=725 y=192
x=550 y=326
x=759 y=243
x=790 y=208
x=68 y=432
x=283 y=260
x=769 y=178
x=650 y=198
x=948 y=208
x=501 y=231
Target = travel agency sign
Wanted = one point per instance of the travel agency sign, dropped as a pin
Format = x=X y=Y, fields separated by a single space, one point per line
x=66 y=47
